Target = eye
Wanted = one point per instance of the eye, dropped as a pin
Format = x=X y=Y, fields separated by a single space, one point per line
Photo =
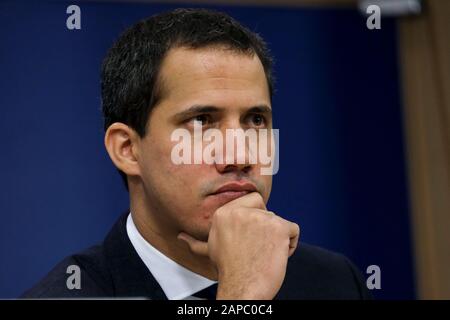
x=257 y=120
x=204 y=119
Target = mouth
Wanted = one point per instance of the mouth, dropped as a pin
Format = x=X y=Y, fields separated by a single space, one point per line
x=233 y=190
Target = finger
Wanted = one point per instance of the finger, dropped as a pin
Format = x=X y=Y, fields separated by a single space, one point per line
x=196 y=246
x=250 y=200
x=293 y=230
x=294 y=236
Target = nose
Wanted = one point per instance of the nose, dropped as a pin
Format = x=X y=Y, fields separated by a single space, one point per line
x=233 y=168
x=236 y=151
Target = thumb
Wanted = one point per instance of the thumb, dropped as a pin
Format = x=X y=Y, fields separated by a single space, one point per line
x=196 y=246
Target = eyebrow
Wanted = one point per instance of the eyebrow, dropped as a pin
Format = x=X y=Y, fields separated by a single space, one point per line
x=263 y=109
x=199 y=109
x=194 y=110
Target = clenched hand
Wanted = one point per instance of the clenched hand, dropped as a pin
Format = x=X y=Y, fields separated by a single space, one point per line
x=250 y=247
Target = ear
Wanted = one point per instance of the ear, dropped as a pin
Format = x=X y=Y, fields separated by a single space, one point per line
x=121 y=142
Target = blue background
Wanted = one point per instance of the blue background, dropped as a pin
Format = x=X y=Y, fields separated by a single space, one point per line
x=338 y=108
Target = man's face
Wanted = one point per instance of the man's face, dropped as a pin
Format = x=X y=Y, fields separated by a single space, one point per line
x=224 y=90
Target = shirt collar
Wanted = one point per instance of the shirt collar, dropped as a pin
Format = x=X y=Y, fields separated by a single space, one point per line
x=176 y=281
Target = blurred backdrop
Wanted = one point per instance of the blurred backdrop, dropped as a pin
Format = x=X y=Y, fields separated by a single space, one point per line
x=363 y=135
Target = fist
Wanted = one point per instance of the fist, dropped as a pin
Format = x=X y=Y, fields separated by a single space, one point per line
x=250 y=247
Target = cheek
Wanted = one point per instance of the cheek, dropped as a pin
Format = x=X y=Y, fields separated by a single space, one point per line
x=264 y=182
x=189 y=203
x=182 y=180
x=186 y=178
x=267 y=180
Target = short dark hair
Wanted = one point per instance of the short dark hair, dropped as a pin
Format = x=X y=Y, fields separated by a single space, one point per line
x=129 y=76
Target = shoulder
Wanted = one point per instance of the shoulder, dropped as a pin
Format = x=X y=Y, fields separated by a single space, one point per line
x=316 y=273
x=93 y=274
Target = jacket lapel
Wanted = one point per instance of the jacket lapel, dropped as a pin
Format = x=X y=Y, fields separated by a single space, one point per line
x=130 y=276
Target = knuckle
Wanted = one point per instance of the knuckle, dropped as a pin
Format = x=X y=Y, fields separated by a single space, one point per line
x=257 y=196
x=276 y=225
x=257 y=199
x=260 y=199
x=219 y=214
x=238 y=211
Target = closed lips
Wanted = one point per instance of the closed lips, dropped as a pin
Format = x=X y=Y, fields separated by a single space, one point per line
x=236 y=187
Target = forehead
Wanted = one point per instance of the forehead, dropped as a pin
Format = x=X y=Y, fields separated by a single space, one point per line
x=212 y=73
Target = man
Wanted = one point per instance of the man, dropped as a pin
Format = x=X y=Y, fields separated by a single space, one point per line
x=194 y=228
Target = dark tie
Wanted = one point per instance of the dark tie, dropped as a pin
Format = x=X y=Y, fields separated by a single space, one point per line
x=208 y=293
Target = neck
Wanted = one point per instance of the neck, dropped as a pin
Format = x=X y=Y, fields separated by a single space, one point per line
x=161 y=235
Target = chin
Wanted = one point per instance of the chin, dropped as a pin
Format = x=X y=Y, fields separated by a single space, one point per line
x=196 y=226
x=201 y=232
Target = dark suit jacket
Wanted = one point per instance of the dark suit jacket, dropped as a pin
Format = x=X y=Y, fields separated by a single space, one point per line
x=114 y=269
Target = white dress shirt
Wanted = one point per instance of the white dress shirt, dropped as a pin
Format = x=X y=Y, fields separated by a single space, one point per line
x=177 y=282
